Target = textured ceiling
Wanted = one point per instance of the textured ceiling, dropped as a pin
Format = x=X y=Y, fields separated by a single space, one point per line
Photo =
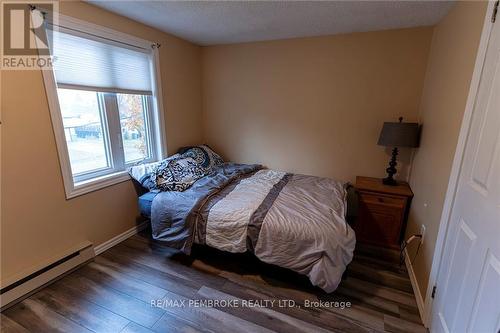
x=225 y=22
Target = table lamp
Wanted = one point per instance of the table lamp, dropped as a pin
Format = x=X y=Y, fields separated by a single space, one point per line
x=397 y=135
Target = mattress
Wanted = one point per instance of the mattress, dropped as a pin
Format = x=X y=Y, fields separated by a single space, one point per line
x=145 y=202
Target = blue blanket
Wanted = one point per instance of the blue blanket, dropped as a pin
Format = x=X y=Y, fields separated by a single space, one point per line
x=173 y=213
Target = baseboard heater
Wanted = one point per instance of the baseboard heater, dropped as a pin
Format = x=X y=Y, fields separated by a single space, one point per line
x=22 y=288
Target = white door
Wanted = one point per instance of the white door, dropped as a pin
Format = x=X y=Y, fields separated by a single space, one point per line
x=467 y=296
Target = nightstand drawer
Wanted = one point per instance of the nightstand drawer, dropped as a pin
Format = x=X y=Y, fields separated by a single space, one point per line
x=377 y=199
x=379 y=224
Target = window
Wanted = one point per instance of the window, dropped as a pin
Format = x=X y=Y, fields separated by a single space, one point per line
x=91 y=119
x=105 y=109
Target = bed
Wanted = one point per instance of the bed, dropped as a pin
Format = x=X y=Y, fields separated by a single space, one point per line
x=289 y=220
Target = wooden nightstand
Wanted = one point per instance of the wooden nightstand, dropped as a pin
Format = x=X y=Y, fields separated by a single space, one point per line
x=382 y=212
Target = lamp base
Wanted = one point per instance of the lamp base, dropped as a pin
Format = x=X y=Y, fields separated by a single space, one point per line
x=389 y=181
x=391 y=170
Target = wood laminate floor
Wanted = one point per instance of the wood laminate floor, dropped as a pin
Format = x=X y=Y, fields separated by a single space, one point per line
x=114 y=294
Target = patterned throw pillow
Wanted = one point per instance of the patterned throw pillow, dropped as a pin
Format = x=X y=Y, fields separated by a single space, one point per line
x=206 y=158
x=142 y=172
x=177 y=174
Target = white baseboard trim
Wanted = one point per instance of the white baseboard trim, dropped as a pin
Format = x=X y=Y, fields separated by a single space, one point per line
x=416 y=289
x=119 y=238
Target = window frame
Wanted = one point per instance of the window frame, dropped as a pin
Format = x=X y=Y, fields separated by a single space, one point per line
x=155 y=110
x=111 y=124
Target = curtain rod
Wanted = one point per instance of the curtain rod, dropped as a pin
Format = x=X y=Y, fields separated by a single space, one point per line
x=155 y=45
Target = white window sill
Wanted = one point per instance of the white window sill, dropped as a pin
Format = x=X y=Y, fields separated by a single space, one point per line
x=95 y=184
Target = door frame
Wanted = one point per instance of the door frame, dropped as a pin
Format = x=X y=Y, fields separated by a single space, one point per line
x=457 y=160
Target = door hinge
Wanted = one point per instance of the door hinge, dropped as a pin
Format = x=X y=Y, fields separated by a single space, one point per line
x=433 y=292
x=494 y=14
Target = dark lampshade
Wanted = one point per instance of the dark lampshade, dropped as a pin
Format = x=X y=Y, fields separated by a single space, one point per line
x=399 y=135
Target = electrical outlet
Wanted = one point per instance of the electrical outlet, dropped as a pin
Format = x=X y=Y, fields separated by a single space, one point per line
x=422 y=232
